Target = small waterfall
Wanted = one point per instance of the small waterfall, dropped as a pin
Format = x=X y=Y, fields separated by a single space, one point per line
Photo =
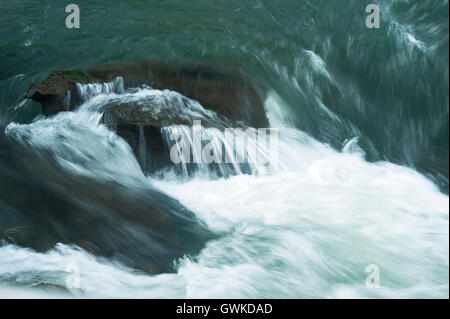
x=232 y=151
x=142 y=148
x=66 y=101
x=88 y=91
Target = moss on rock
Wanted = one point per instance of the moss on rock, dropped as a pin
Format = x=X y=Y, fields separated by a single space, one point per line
x=77 y=76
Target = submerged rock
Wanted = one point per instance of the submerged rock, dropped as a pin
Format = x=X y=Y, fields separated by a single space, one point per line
x=42 y=204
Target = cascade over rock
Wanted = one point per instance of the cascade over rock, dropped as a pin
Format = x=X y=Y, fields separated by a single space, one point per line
x=193 y=92
x=225 y=92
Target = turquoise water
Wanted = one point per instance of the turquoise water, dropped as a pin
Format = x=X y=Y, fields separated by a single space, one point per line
x=308 y=230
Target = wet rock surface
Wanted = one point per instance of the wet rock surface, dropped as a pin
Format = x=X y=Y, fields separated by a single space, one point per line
x=140 y=228
x=58 y=91
x=219 y=98
x=230 y=94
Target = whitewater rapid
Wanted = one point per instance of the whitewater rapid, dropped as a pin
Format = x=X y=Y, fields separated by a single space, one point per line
x=307 y=229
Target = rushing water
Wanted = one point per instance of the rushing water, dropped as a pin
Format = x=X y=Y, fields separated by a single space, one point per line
x=362 y=176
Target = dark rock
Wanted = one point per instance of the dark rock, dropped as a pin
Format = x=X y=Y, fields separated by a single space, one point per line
x=53 y=94
x=42 y=204
x=148 y=145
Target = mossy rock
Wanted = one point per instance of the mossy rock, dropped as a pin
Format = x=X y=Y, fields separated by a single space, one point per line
x=78 y=76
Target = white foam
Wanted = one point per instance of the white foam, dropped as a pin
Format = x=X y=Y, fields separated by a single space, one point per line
x=307 y=229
